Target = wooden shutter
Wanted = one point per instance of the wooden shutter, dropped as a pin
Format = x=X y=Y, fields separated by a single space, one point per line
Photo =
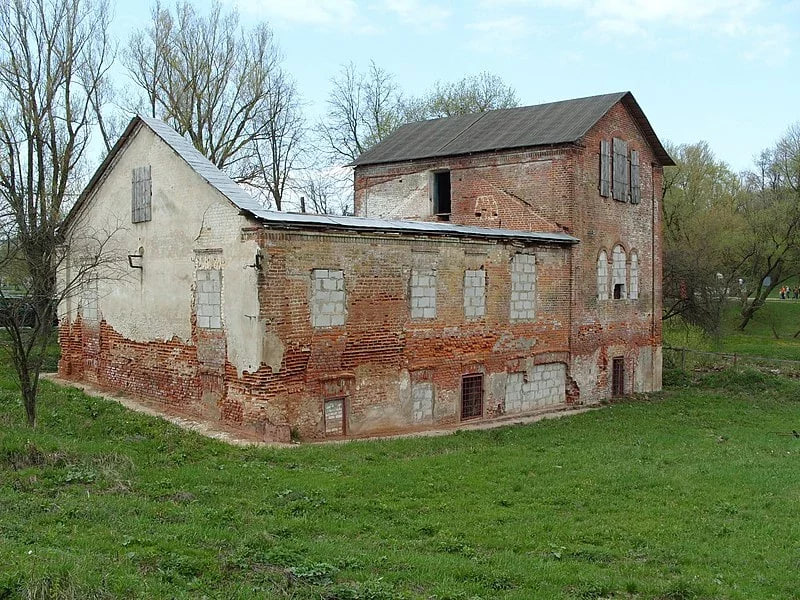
x=605 y=168
x=620 y=170
x=141 y=193
x=636 y=190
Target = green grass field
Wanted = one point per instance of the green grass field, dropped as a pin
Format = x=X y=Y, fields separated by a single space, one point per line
x=758 y=339
x=685 y=494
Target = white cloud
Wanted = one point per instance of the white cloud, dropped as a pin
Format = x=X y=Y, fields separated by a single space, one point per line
x=344 y=14
x=498 y=35
x=755 y=22
x=417 y=11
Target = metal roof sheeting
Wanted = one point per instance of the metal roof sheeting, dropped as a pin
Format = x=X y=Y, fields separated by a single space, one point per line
x=541 y=125
x=304 y=220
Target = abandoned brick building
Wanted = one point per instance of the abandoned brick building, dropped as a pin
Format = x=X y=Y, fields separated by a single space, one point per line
x=501 y=263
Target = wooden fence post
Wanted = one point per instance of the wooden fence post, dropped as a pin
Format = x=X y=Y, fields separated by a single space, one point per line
x=683 y=359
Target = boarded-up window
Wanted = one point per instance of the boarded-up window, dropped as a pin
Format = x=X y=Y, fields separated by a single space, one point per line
x=89 y=298
x=141 y=194
x=605 y=168
x=634 y=292
x=474 y=293
x=523 y=287
x=636 y=190
x=620 y=170
x=208 y=298
x=423 y=294
x=602 y=276
x=328 y=299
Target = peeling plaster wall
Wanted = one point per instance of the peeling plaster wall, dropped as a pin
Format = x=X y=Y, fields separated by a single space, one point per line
x=193 y=226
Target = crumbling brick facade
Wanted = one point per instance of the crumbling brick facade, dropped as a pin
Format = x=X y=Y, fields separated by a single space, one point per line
x=288 y=325
x=558 y=189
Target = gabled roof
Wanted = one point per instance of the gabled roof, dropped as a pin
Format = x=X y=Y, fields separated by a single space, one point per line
x=251 y=207
x=527 y=126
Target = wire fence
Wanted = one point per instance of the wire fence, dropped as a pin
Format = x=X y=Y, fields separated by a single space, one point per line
x=688 y=359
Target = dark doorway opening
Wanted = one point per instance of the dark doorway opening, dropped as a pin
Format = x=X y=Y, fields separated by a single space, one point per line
x=618 y=376
x=441 y=195
x=472 y=396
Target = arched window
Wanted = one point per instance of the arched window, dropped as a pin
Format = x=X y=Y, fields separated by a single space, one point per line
x=634 y=279
x=602 y=276
x=618 y=273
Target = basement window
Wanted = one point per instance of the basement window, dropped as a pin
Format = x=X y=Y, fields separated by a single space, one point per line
x=471 y=396
x=441 y=195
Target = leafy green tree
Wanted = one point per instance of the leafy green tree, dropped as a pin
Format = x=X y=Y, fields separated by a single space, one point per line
x=703 y=236
x=771 y=209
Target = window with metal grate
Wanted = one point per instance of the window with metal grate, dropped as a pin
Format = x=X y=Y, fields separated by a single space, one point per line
x=472 y=396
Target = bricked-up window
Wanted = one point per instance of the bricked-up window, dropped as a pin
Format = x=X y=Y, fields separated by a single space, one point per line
x=619 y=272
x=634 y=291
x=472 y=396
x=89 y=298
x=141 y=194
x=335 y=413
x=328 y=300
x=636 y=186
x=441 y=193
x=605 y=168
x=602 y=276
x=423 y=293
x=422 y=401
x=474 y=293
x=620 y=189
x=208 y=298
x=523 y=287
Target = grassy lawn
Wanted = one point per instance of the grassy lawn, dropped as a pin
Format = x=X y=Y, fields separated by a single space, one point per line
x=758 y=338
x=686 y=494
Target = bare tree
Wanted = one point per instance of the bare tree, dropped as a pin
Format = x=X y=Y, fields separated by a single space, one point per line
x=471 y=94
x=54 y=59
x=326 y=191
x=363 y=108
x=223 y=86
x=278 y=154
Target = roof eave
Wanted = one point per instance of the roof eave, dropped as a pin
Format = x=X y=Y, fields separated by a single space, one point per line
x=524 y=236
x=462 y=154
x=101 y=171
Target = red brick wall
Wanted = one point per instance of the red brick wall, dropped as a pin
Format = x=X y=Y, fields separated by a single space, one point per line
x=373 y=356
x=551 y=189
x=371 y=360
x=530 y=190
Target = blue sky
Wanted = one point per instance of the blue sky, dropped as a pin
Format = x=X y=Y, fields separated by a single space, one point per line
x=724 y=71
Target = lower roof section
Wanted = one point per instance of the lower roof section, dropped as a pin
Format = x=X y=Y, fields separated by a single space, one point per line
x=363 y=224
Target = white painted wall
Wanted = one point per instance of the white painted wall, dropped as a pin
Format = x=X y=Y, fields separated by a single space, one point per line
x=189 y=217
